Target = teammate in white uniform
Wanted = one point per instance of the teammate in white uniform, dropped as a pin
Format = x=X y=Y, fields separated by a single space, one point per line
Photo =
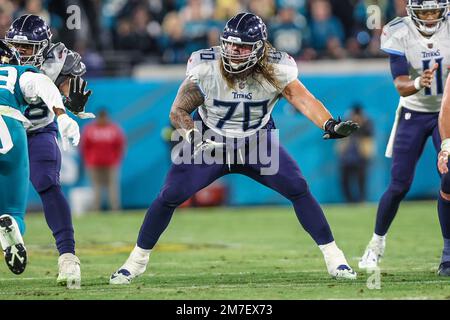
x=419 y=50
x=235 y=88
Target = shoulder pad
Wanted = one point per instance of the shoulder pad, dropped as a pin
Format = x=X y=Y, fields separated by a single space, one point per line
x=203 y=56
x=394 y=35
x=397 y=27
x=396 y=22
x=61 y=61
x=73 y=65
x=280 y=57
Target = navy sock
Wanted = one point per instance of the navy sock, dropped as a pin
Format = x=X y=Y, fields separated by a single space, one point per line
x=57 y=215
x=312 y=218
x=387 y=209
x=156 y=221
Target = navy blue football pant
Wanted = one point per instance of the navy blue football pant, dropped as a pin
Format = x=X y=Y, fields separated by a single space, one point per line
x=414 y=128
x=184 y=180
x=45 y=165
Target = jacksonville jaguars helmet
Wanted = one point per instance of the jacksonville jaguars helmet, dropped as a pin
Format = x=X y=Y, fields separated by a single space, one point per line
x=31 y=30
x=243 y=29
x=427 y=27
x=8 y=54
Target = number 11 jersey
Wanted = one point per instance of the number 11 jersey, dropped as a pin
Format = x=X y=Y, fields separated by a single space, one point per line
x=401 y=37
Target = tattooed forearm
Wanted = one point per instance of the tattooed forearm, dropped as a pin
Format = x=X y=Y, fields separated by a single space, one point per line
x=189 y=98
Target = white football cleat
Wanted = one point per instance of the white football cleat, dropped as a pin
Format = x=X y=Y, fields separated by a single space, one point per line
x=69 y=271
x=135 y=265
x=373 y=254
x=12 y=244
x=343 y=271
x=337 y=265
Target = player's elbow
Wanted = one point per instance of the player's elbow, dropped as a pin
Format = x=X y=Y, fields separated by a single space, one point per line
x=173 y=117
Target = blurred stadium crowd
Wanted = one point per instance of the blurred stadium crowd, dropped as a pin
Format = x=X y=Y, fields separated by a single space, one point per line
x=115 y=35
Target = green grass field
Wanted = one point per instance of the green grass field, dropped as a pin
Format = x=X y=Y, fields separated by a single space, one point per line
x=237 y=253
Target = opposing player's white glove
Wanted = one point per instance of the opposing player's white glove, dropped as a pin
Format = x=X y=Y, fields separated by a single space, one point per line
x=85 y=115
x=69 y=130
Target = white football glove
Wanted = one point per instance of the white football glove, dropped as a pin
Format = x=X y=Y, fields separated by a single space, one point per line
x=85 y=115
x=207 y=145
x=69 y=130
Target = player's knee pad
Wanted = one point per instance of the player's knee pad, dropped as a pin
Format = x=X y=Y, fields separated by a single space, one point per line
x=173 y=196
x=296 y=189
x=399 y=189
x=43 y=181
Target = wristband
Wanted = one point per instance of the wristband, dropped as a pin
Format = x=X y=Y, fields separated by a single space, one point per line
x=324 y=126
x=445 y=145
x=417 y=84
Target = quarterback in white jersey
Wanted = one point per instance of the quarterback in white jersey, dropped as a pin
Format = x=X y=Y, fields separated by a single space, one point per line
x=234 y=87
x=419 y=51
x=401 y=37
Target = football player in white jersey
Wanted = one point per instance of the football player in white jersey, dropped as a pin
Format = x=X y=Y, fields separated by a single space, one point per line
x=419 y=49
x=235 y=87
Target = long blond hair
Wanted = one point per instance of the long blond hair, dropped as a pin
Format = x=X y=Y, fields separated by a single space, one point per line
x=261 y=69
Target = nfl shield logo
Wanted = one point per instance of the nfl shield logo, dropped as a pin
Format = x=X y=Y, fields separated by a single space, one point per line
x=430 y=46
x=407 y=116
x=241 y=85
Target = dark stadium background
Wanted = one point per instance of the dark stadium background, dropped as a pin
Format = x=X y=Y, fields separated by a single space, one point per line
x=135 y=52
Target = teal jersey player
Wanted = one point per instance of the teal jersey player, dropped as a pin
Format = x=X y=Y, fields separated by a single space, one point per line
x=14 y=172
x=19 y=87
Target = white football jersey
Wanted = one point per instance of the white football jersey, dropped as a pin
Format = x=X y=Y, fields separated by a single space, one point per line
x=401 y=37
x=241 y=111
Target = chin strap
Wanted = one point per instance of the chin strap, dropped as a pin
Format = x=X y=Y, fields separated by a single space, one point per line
x=429 y=31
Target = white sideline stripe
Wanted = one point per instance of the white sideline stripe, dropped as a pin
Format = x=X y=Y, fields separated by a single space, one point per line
x=20 y=279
